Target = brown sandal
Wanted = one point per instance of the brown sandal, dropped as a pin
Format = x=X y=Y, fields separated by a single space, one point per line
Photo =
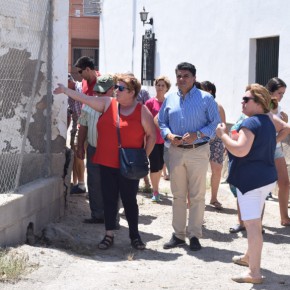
x=106 y=242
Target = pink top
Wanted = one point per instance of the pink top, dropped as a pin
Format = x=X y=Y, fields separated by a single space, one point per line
x=154 y=107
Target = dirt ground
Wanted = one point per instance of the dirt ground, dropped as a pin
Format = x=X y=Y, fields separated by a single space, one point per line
x=77 y=263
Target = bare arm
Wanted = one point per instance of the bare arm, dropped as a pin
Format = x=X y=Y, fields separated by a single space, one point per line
x=222 y=113
x=240 y=147
x=149 y=128
x=282 y=128
x=156 y=121
x=98 y=104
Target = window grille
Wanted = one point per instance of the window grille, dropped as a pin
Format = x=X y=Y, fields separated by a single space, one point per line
x=86 y=51
x=148 y=58
x=92 y=7
x=267 y=59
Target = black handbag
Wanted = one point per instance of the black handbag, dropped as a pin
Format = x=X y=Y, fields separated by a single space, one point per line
x=133 y=161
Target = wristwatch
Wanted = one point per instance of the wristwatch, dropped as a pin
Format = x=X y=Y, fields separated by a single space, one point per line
x=198 y=135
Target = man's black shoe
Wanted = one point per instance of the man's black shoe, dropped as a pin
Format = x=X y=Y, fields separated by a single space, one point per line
x=194 y=244
x=174 y=242
x=93 y=221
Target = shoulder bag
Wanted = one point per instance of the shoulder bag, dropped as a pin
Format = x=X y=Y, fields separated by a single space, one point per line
x=133 y=161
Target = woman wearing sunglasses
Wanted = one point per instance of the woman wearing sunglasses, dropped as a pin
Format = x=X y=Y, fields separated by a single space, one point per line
x=136 y=123
x=277 y=88
x=252 y=172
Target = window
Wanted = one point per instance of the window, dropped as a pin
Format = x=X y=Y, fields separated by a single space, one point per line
x=148 y=58
x=86 y=51
x=267 y=59
x=92 y=7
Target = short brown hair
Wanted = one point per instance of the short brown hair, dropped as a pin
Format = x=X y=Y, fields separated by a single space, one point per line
x=165 y=79
x=132 y=82
x=261 y=96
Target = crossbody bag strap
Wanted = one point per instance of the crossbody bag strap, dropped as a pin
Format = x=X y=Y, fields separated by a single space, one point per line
x=118 y=126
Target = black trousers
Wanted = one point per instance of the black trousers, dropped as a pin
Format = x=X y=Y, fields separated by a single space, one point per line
x=114 y=184
x=94 y=185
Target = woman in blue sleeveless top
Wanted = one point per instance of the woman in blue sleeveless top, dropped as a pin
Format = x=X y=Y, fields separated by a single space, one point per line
x=252 y=172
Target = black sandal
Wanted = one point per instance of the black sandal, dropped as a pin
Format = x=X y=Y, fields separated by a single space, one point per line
x=106 y=242
x=138 y=244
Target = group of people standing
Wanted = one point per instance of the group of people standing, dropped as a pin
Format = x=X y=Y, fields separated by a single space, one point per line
x=190 y=121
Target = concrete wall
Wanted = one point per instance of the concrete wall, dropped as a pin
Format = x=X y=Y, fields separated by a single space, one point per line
x=39 y=203
x=41 y=198
x=21 y=37
x=216 y=36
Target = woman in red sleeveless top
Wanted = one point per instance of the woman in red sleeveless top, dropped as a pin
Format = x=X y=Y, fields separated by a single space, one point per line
x=136 y=123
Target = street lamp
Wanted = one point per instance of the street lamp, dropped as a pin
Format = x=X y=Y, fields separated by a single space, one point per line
x=143 y=17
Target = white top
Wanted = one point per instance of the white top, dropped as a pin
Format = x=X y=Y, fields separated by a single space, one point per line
x=89 y=118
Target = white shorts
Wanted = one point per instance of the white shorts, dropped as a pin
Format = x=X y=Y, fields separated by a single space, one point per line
x=252 y=202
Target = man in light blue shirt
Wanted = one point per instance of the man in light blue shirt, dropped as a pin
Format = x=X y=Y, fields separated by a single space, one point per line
x=188 y=119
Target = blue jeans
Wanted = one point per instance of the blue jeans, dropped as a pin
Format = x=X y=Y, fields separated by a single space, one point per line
x=94 y=185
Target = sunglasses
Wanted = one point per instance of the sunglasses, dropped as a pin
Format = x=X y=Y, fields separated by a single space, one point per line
x=120 y=88
x=246 y=99
x=80 y=71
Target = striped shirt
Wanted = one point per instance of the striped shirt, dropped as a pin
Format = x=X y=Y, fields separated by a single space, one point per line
x=89 y=118
x=197 y=111
x=75 y=107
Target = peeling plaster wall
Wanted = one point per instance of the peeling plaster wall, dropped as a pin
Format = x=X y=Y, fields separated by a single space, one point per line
x=20 y=38
x=18 y=71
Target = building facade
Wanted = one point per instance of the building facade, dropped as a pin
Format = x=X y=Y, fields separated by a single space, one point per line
x=232 y=43
x=83 y=31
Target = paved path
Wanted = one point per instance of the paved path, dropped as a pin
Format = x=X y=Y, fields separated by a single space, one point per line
x=121 y=267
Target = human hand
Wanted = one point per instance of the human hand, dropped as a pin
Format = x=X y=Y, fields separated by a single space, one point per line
x=175 y=139
x=189 y=138
x=59 y=90
x=221 y=129
x=284 y=117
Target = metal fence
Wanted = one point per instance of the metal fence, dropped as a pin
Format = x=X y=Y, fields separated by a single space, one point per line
x=25 y=80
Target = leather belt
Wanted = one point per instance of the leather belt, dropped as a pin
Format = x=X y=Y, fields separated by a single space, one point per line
x=192 y=146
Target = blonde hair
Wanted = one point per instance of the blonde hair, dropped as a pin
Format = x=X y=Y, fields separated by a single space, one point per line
x=261 y=96
x=165 y=79
x=132 y=82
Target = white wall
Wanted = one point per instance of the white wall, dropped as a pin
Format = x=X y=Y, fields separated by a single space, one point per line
x=213 y=35
x=60 y=61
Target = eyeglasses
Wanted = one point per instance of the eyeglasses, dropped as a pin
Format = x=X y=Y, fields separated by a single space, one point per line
x=80 y=71
x=120 y=88
x=246 y=99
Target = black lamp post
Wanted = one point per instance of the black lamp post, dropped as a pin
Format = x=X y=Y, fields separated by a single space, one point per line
x=148 y=51
x=143 y=17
